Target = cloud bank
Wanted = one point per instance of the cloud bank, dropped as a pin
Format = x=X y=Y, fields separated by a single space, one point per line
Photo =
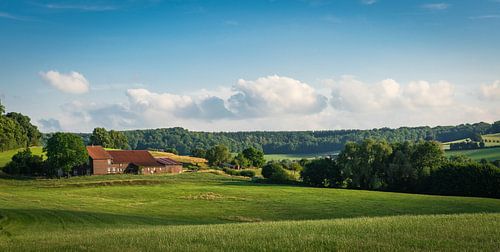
x=283 y=103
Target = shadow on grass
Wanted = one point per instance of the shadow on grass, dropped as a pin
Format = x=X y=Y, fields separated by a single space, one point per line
x=48 y=218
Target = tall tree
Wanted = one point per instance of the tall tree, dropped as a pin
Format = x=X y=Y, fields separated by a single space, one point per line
x=118 y=140
x=30 y=130
x=65 y=151
x=218 y=155
x=100 y=136
x=255 y=156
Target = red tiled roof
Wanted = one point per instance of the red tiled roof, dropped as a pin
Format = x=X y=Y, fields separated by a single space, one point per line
x=97 y=152
x=137 y=157
x=167 y=161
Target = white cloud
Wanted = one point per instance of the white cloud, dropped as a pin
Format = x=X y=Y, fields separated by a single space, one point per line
x=282 y=103
x=490 y=92
x=350 y=94
x=436 y=6
x=73 y=82
x=274 y=95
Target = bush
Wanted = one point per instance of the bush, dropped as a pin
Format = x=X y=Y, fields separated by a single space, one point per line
x=276 y=173
x=247 y=173
x=25 y=163
x=465 y=179
x=322 y=173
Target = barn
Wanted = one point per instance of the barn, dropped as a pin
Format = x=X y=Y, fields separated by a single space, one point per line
x=103 y=161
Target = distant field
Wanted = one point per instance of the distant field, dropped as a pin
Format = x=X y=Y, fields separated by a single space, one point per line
x=179 y=158
x=490 y=154
x=6 y=156
x=204 y=212
x=277 y=157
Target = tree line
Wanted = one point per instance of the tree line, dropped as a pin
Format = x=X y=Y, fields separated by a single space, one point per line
x=299 y=142
x=404 y=167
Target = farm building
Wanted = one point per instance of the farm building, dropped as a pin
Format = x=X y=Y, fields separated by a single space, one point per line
x=103 y=161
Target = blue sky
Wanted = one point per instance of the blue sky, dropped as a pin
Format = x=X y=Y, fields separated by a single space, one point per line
x=250 y=65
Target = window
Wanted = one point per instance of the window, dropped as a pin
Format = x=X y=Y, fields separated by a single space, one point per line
x=109 y=170
x=114 y=169
x=109 y=161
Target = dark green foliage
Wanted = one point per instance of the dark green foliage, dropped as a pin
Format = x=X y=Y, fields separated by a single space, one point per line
x=118 y=140
x=254 y=156
x=64 y=152
x=298 y=142
x=241 y=161
x=30 y=130
x=247 y=173
x=465 y=179
x=244 y=173
x=25 y=163
x=201 y=153
x=364 y=163
x=322 y=173
x=275 y=172
x=218 y=155
x=100 y=136
x=12 y=135
x=109 y=139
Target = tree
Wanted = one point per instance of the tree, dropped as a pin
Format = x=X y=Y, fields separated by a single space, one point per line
x=274 y=171
x=12 y=135
x=241 y=161
x=198 y=152
x=427 y=157
x=64 y=152
x=322 y=173
x=30 y=130
x=25 y=163
x=100 y=137
x=218 y=155
x=118 y=140
x=255 y=156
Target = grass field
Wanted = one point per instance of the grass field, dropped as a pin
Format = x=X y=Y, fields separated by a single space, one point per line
x=6 y=156
x=490 y=154
x=206 y=212
x=277 y=157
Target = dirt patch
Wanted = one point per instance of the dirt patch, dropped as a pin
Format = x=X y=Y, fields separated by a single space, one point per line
x=210 y=196
x=239 y=218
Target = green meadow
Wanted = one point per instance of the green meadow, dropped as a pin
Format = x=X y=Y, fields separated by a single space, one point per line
x=489 y=154
x=6 y=156
x=207 y=212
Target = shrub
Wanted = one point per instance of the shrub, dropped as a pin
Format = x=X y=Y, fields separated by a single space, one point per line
x=276 y=173
x=247 y=173
x=322 y=173
x=25 y=163
x=465 y=179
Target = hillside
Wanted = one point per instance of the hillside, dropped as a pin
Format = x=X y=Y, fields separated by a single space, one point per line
x=185 y=212
x=490 y=154
x=6 y=156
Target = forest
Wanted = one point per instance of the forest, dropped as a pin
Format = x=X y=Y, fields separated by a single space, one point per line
x=289 y=142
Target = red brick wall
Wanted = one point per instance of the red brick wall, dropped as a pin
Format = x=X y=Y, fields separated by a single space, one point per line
x=100 y=167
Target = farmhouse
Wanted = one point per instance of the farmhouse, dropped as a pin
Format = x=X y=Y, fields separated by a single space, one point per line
x=103 y=161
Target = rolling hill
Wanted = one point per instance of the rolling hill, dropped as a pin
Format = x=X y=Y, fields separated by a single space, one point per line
x=206 y=212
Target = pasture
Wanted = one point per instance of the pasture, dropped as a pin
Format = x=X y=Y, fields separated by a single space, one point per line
x=489 y=154
x=278 y=157
x=206 y=212
x=6 y=156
